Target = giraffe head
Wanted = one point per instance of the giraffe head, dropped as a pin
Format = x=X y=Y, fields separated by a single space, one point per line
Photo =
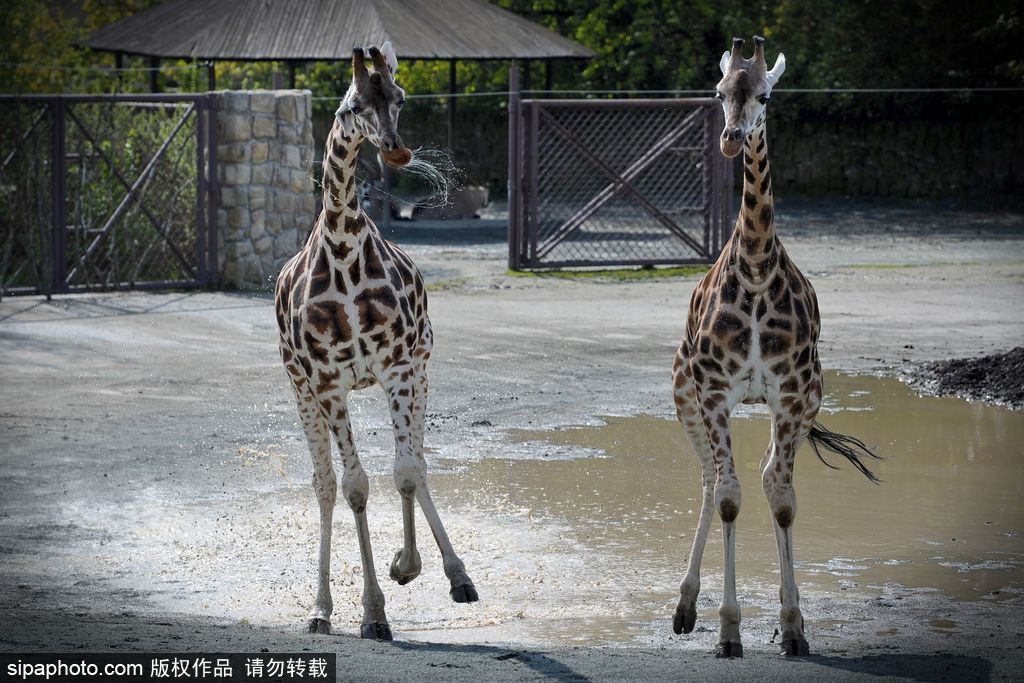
x=375 y=99
x=745 y=89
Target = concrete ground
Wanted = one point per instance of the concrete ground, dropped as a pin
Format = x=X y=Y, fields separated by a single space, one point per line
x=154 y=496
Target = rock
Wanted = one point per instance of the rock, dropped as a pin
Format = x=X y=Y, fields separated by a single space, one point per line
x=233 y=100
x=286 y=107
x=264 y=127
x=259 y=152
x=234 y=127
x=263 y=101
x=257 y=226
x=264 y=244
x=262 y=174
x=257 y=197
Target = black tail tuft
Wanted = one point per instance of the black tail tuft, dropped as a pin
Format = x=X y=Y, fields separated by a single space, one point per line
x=849 y=447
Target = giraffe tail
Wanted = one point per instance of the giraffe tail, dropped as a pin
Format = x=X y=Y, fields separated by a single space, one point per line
x=850 y=447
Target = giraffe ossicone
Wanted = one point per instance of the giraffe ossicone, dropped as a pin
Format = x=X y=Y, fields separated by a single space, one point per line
x=352 y=313
x=751 y=337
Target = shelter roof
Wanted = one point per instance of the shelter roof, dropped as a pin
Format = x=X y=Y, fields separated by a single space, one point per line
x=315 y=30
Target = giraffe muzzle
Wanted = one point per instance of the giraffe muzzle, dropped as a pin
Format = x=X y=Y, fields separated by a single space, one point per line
x=397 y=156
x=732 y=141
x=393 y=151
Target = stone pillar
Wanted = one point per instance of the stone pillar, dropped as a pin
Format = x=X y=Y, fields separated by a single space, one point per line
x=266 y=199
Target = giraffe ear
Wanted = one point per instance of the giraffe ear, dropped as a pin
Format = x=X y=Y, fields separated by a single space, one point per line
x=724 y=64
x=390 y=57
x=776 y=73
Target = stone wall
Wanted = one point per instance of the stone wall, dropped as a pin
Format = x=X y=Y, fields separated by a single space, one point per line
x=266 y=202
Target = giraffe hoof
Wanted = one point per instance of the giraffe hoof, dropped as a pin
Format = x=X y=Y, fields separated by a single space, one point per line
x=403 y=577
x=727 y=650
x=376 y=631
x=318 y=625
x=795 y=647
x=685 y=618
x=464 y=593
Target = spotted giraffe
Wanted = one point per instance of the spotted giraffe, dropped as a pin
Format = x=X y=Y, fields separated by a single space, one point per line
x=352 y=313
x=751 y=337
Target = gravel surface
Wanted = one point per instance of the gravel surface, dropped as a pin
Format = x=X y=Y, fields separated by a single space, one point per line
x=154 y=483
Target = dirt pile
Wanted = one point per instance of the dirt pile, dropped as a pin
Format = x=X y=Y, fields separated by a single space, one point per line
x=998 y=378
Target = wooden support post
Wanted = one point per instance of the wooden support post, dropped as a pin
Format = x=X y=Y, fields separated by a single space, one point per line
x=451 y=105
x=58 y=202
x=291 y=74
x=514 y=232
x=118 y=65
x=154 y=75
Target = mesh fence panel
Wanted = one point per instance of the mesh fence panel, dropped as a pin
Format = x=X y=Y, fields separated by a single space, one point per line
x=127 y=209
x=152 y=235
x=25 y=204
x=619 y=183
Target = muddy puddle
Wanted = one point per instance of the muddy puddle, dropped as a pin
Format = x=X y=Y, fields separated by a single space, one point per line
x=615 y=530
x=586 y=541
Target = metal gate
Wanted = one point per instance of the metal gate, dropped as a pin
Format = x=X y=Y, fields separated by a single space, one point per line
x=106 y=192
x=616 y=182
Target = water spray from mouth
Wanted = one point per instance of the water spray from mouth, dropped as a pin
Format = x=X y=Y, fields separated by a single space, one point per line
x=438 y=170
x=434 y=166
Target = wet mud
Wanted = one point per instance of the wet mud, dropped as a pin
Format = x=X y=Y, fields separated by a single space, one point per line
x=997 y=378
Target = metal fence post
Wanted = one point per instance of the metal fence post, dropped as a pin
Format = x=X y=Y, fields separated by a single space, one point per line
x=533 y=198
x=514 y=188
x=58 y=206
x=709 y=185
x=202 y=229
x=211 y=188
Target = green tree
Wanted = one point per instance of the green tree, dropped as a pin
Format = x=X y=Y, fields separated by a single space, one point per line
x=37 y=47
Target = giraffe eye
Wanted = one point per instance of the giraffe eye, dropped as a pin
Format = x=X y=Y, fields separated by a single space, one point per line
x=763 y=99
x=719 y=95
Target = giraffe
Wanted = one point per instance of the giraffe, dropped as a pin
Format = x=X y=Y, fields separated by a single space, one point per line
x=751 y=336
x=352 y=312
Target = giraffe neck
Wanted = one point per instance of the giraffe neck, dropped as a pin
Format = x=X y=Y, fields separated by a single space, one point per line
x=755 y=248
x=342 y=222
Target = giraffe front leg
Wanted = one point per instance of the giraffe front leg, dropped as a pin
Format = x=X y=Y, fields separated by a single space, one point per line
x=355 y=486
x=325 y=485
x=689 y=415
x=406 y=565
x=414 y=468
x=462 y=588
x=409 y=473
x=777 y=479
